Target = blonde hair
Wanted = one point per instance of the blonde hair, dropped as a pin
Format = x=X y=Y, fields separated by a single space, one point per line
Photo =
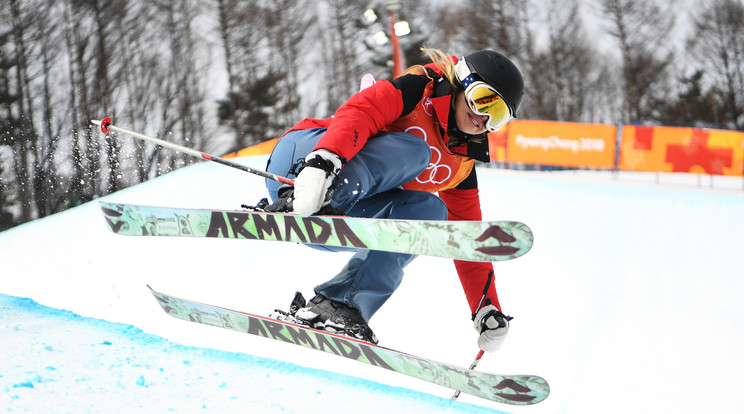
x=444 y=63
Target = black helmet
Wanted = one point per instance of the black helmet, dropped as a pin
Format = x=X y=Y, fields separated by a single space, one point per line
x=496 y=70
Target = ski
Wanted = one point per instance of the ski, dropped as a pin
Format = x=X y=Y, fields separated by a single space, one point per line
x=477 y=241
x=507 y=389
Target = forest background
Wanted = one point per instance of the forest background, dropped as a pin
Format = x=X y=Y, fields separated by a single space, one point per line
x=221 y=75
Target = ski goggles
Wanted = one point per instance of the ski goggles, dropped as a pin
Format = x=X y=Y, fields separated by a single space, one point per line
x=482 y=98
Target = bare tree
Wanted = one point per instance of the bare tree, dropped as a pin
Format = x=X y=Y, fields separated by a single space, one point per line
x=80 y=38
x=8 y=123
x=288 y=23
x=227 y=21
x=264 y=45
x=493 y=24
x=568 y=78
x=641 y=29
x=48 y=190
x=77 y=168
x=103 y=83
x=138 y=71
x=24 y=134
x=718 y=45
x=6 y=199
x=242 y=27
x=496 y=25
x=343 y=45
x=182 y=92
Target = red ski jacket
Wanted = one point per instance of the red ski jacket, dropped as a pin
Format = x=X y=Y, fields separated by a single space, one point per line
x=418 y=102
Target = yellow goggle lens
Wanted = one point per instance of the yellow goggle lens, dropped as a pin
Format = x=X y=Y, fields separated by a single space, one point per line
x=484 y=100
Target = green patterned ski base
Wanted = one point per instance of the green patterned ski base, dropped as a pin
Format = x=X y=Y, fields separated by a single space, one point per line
x=477 y=241
x=507 y=389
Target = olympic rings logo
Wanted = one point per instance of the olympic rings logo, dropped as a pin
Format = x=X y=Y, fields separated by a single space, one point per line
x=434 y=167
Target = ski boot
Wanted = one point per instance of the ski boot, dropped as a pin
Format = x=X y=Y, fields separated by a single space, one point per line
x=327 y=315
x=335 y=317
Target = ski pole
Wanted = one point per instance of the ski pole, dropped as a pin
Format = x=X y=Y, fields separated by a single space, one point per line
x=106 y=127
x=472 y=367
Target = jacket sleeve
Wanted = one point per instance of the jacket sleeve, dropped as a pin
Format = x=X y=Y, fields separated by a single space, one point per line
x=365 y=114
x=464 y=204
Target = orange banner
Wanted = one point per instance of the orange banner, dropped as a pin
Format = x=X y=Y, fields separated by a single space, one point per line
x=566 y=144
x=497 y=144
x=262 y=148
x=644 y=148
x=688 y=150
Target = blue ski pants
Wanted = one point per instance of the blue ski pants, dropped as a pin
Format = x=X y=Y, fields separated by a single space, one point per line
x=367 y=186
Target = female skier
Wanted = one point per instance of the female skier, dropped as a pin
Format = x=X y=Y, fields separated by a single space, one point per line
x=384 y=154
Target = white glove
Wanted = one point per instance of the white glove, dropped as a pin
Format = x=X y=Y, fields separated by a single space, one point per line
x=492 y=326
x=312 y=184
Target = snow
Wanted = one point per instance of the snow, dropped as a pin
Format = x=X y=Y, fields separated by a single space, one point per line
x=62 y=362
x=630 y=301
